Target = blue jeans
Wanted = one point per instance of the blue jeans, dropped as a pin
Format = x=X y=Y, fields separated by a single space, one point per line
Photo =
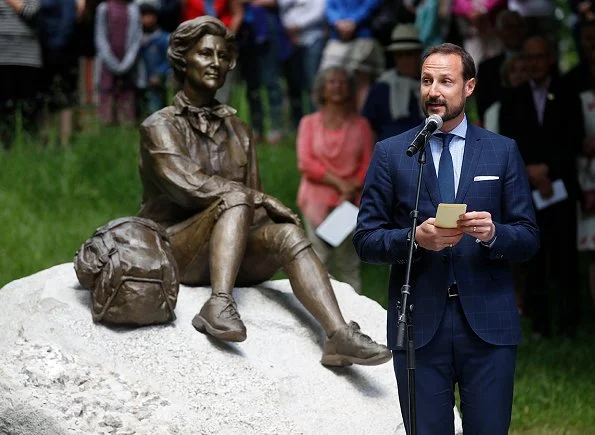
x=260 y=66
x=311 y=56
x=300 y=71
x=155 y=99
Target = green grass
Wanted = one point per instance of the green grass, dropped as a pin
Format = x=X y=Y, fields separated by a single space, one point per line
x=53 y=199
x=555 y=386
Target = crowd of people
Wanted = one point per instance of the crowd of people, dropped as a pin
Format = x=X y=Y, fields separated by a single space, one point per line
x=112 y=53
x=348 y=72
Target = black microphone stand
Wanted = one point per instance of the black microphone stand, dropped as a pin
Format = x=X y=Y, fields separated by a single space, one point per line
x=405 y=321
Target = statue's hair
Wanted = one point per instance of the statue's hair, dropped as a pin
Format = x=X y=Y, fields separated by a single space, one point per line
x=188 y=34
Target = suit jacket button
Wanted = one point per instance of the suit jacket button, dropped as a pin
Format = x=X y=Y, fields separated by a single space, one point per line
x=444 y=258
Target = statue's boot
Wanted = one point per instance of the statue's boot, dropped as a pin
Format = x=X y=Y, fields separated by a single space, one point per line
x=219 y=317
x=349 y=345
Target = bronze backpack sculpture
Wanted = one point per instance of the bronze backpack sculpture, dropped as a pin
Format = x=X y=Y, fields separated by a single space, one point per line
x=131 y=272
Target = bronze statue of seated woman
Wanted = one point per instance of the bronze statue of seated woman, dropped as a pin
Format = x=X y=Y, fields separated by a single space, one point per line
x=200 y=180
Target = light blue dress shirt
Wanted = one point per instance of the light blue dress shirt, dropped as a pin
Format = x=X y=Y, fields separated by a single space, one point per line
x=457 y=149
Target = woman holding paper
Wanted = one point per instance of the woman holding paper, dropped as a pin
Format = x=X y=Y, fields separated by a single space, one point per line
x=334 y=147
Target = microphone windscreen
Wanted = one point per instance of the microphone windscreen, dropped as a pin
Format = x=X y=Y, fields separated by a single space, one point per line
x=435 y=118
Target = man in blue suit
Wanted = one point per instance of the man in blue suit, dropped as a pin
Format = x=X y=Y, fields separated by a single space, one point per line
x=466 y=324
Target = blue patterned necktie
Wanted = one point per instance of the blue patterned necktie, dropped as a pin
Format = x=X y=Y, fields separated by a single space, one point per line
x=446 y=174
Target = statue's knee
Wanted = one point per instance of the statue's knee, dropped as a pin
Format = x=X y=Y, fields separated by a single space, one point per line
x=291 y=241
x=239 y=197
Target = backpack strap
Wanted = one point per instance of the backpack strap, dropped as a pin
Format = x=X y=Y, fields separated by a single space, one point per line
x=164 y=260
x=112 y=256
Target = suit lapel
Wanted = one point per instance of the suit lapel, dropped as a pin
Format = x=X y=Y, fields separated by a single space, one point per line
x=470 y=160
x=549 y=107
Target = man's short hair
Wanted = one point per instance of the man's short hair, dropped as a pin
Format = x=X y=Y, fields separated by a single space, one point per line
x=469 y=71
x=507 y=13
x=148 y=8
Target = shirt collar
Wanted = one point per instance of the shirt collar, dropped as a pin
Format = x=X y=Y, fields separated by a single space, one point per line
x=545 y=87
x=206 y=119
x=460 y=130
x=182 y=104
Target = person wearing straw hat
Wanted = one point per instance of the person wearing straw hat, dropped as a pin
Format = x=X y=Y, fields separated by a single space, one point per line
x=393 y=104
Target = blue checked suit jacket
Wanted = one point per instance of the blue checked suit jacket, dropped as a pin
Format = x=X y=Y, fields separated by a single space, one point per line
x=483 y=274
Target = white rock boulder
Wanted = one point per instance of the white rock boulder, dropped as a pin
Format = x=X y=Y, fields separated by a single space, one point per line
x=62 y=374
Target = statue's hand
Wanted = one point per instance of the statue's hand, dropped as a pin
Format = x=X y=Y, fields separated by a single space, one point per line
x=278 y=212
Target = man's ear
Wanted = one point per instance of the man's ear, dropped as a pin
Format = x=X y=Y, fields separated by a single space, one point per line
x=470 y=86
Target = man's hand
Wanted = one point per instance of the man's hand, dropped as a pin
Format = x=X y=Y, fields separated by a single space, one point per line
x=537 y=172
x=264 y=3
x=278 y=212
x=155 y=81
x=545 y=188
x=589 y=146
x=293 y=32
x=349 y=189
x=477 y=224
x=80 y=8
x=345 y=29
x=433 y=238
x=17 y=5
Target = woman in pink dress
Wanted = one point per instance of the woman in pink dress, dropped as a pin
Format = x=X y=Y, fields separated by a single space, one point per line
x=334 y=147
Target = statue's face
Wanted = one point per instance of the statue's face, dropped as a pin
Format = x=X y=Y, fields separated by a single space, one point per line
x=207 y=62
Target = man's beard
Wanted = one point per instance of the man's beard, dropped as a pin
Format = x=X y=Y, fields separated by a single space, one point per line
x=448 y=114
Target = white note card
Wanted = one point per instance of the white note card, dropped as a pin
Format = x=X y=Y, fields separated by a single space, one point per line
x=560 y=194
x=339 y=224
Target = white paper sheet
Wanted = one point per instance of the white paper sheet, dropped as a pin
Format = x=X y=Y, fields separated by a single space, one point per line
x=339 y=224
x=560 y=194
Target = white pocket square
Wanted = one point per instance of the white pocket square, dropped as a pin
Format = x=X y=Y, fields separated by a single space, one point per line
x=486 y=178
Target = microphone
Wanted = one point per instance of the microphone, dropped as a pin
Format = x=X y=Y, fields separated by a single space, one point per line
x=433 y=123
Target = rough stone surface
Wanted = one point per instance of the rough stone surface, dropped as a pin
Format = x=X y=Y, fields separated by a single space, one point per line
x=62 y=374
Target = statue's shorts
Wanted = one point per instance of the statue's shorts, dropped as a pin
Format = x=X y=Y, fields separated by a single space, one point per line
x=269 y=247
